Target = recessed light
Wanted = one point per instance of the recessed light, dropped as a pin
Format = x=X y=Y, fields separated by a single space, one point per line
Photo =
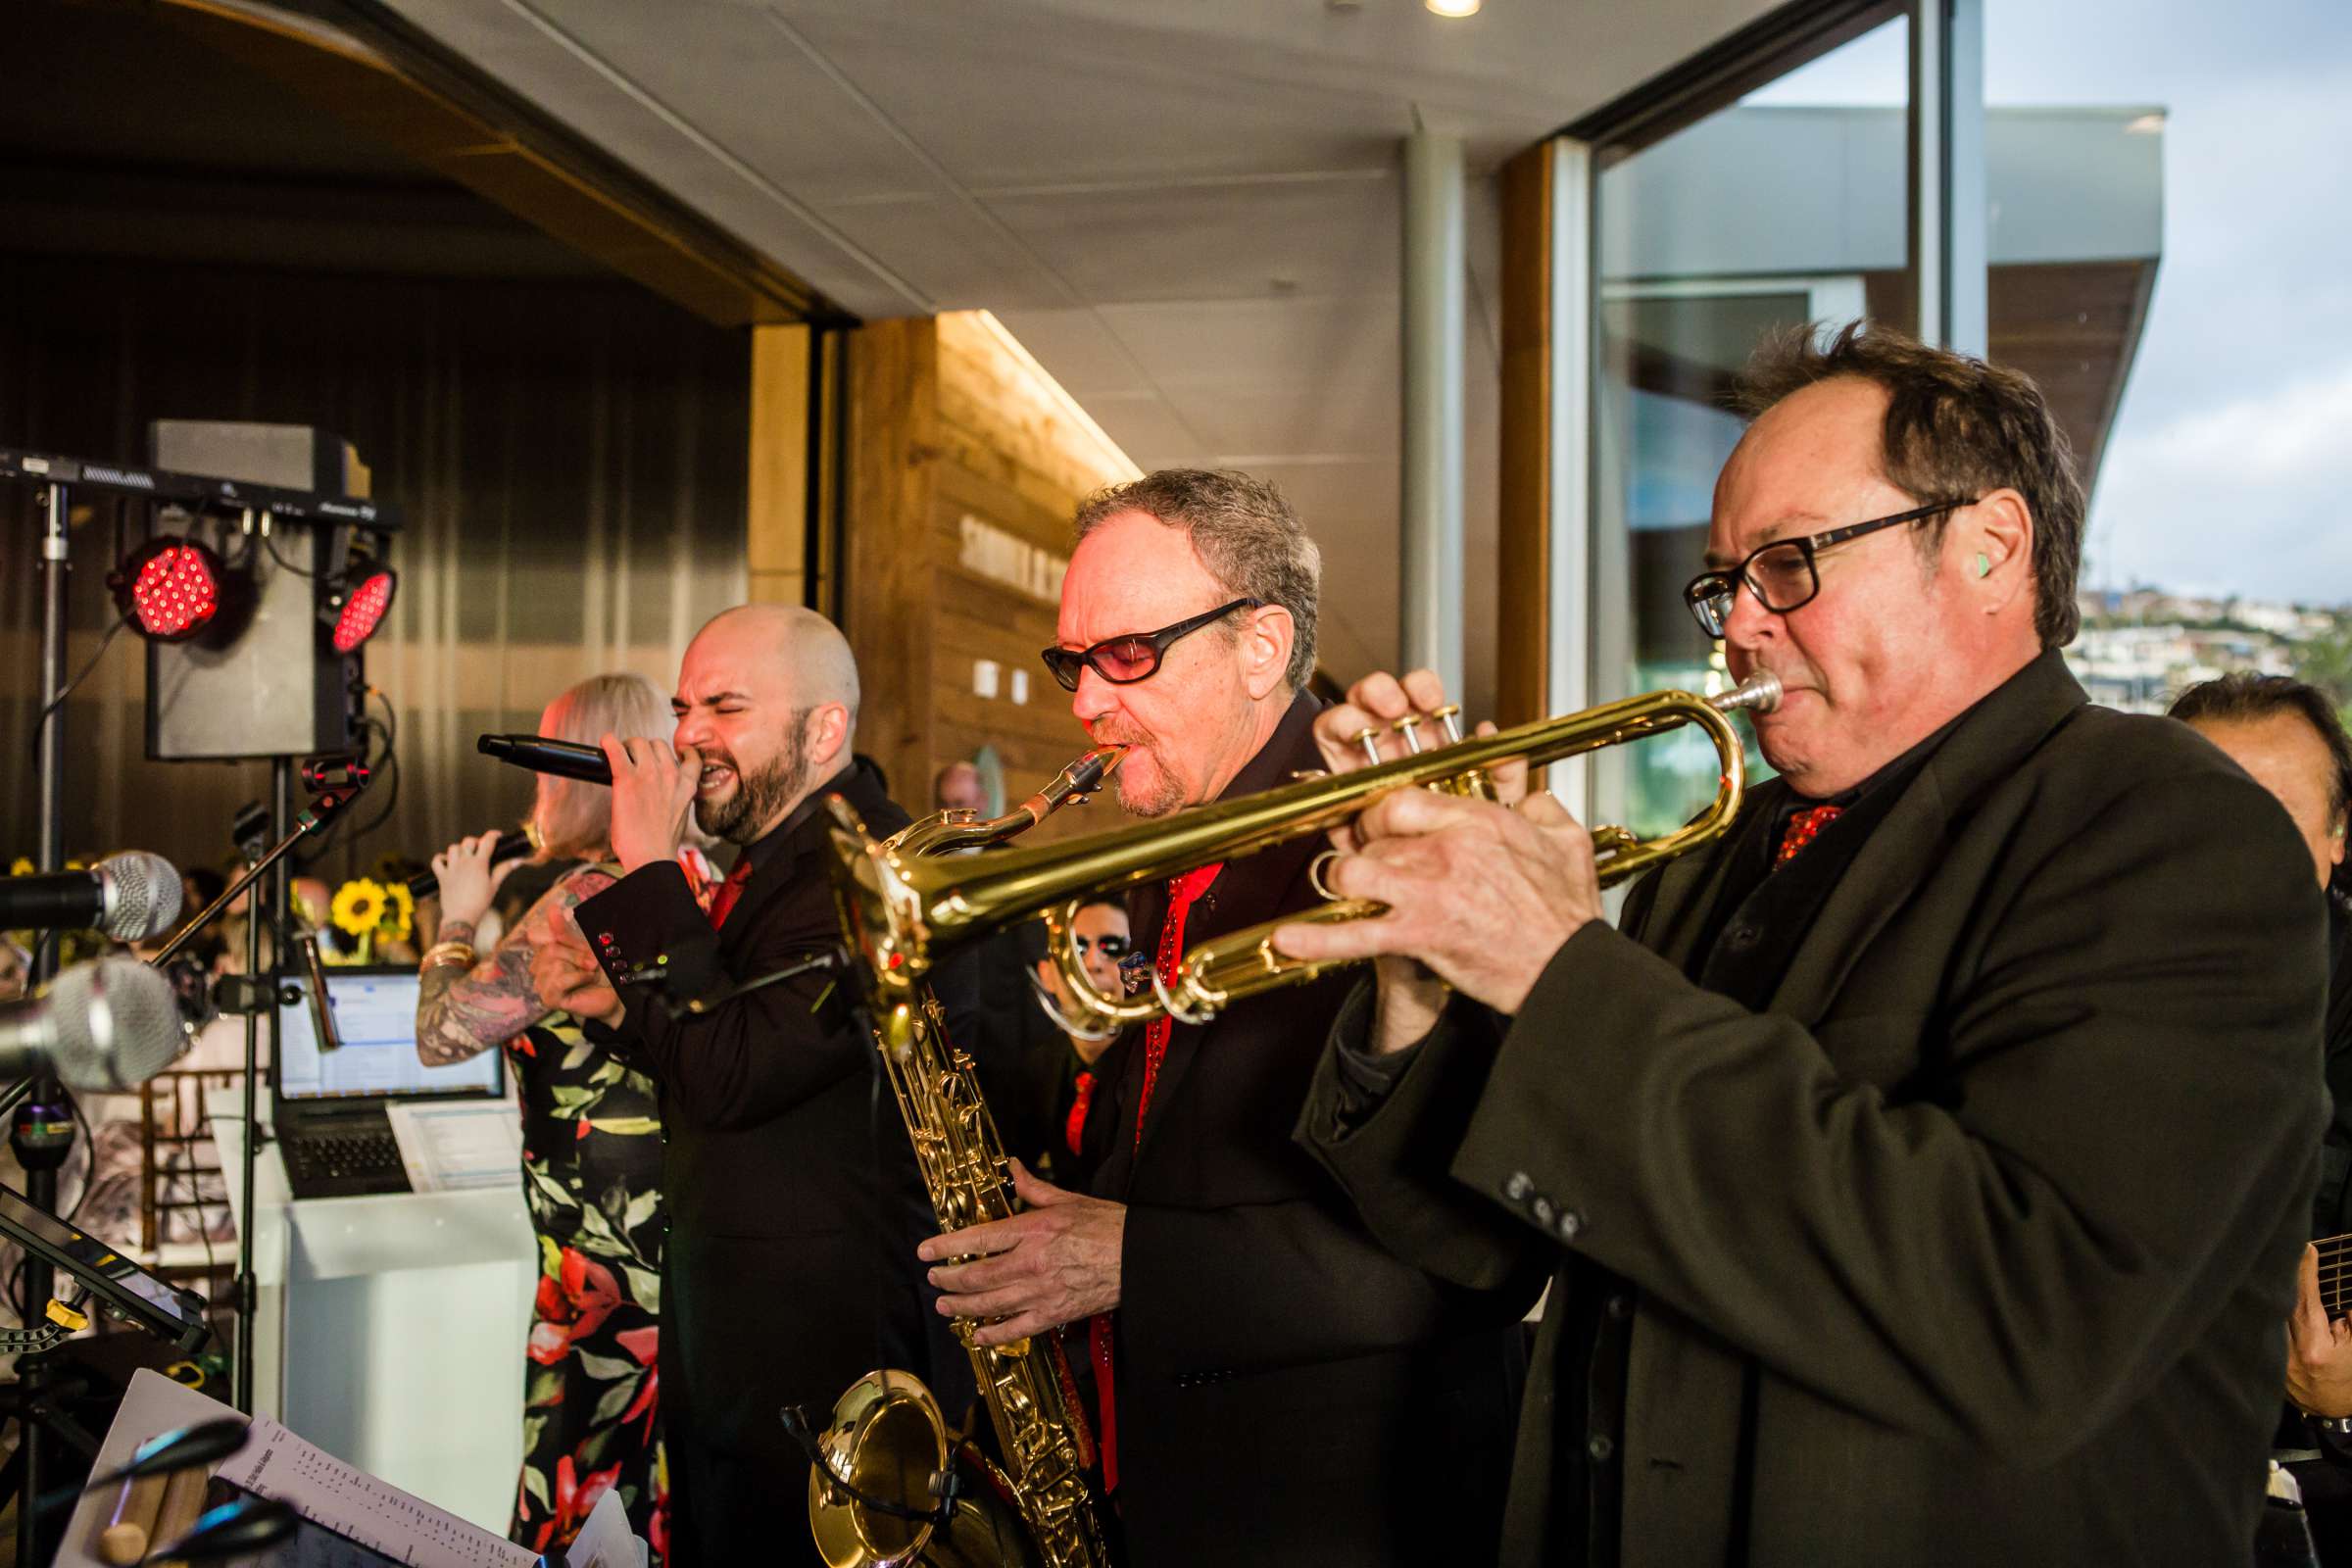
x=1452 y=8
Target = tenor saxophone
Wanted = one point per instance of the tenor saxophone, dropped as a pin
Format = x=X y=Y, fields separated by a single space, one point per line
x=895 y=1485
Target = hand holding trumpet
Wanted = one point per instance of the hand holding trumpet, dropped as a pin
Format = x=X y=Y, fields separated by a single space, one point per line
x=1480 y=894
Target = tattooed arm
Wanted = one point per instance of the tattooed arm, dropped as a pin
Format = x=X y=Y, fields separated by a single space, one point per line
x=462 y=1013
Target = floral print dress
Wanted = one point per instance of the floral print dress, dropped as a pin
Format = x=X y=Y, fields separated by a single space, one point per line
x=592 y=1171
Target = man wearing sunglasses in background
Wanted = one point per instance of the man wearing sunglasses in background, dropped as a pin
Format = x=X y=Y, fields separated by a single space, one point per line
x=1923 y=1167
x=1271 y=1386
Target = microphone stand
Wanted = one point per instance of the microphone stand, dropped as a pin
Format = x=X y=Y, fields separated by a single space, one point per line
x=252 y=993
x=39 y=1141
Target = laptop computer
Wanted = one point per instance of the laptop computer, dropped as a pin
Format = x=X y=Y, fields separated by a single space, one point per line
x=329 y=1104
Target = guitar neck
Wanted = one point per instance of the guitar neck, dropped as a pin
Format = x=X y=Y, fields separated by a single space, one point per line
x=2335 y=1274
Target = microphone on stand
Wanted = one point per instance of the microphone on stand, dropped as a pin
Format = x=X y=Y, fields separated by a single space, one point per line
x=565 y=758
x=105 y=1026
x=130 y=897
x=425 y=884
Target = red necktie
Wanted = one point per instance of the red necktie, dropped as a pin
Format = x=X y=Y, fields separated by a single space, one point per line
x=1802 y=829
x=729 y=891
x=1182 y=891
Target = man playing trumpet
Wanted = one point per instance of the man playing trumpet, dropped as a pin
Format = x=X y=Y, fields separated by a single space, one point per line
x=1923 y=1167
x=1271 y=1386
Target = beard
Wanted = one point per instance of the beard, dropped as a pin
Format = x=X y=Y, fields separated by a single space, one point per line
x=760 y=797
x=1159 y=795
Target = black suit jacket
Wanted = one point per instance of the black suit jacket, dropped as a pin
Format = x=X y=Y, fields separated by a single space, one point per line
x=1288 y=1391
x=1973 y=1245
x=793 y=1203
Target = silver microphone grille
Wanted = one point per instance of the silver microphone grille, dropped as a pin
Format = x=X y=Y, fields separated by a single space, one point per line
x=117 y=1024
x=142 y=895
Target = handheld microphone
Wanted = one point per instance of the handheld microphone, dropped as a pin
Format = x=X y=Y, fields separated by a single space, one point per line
x=564 y=758
x=132 y=896
x=423 y=885
x=104 y=1026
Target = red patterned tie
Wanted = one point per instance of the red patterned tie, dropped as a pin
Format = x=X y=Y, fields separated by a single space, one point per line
x=729 y=891
x=1802 y=829
x=1182 y=891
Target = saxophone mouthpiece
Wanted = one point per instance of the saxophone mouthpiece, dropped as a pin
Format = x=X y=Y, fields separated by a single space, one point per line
x=1087 y=774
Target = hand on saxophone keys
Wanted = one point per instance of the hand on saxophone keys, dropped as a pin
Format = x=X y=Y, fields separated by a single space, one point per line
x=1055 y=1263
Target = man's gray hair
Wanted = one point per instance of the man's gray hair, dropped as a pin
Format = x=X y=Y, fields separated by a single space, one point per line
x=1245 y=534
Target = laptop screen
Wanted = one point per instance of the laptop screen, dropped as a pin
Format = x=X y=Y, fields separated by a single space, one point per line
x=375 y=1014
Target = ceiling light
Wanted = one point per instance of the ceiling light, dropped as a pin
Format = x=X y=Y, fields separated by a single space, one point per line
x=1452 y=8
x=355 y=600
x=169 y=589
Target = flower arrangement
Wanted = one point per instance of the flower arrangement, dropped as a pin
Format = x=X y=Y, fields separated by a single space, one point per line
x=370 y=912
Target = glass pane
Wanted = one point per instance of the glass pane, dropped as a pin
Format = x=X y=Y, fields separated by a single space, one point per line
x=2167 y=227
x=1789 y=206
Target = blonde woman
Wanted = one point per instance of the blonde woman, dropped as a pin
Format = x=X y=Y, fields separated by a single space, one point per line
x=591 y=1141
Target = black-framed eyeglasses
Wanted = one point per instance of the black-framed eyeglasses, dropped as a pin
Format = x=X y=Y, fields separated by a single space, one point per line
x=1110 y=945
x=1123 y=660
x=1784 y=574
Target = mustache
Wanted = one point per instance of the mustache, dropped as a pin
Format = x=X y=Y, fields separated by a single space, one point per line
x=1115 y=732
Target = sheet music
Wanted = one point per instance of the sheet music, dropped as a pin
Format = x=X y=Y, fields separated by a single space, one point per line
x=321 y=1488
x=447 y=1149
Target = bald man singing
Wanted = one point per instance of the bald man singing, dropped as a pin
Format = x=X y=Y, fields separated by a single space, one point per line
x=794 y=1199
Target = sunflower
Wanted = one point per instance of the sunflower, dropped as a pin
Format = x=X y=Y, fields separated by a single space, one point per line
x=400 y=912
x=359 y=907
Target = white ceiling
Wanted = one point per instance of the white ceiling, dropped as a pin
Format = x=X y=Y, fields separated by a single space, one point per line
x=1187 y=209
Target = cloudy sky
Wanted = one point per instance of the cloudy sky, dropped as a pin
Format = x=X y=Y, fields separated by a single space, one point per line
x=2230 y=467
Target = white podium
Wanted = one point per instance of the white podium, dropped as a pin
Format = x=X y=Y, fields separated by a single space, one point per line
x=391 y=1329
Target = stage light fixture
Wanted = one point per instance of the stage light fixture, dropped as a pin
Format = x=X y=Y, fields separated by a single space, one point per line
x=170 y=588
x=356 y=600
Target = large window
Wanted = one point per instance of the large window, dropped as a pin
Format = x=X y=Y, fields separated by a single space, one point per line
x=1789 y=206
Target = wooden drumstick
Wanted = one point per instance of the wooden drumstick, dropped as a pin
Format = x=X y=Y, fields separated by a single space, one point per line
x=130 y=1530
x=183 y=1503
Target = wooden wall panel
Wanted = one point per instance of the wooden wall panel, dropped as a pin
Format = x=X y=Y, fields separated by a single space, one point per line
x=981 y=436
x=1524 y=580
x=776 y=523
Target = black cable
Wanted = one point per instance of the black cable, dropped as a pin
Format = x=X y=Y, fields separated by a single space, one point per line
x=270 y=541
x=90 y=1141
x=104 y=643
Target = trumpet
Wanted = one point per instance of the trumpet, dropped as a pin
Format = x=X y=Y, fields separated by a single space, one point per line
x=901 y=912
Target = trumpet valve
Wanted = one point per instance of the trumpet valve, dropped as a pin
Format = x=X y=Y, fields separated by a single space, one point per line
x=1369 y=739
x=1409 y=727
x=1450 y=716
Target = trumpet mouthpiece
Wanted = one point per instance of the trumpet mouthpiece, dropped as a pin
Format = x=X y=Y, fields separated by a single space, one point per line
x=1760 y=693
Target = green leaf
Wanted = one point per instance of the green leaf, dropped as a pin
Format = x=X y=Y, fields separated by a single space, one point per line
x=616 y=1399
x=578 y=1056
x=546 y=1388
x=625 y=1126
x=605 y=1368
x=533 y=1427
x=592 y=1448
x=608 y=1071
x=645 y=1285
x=641 y=1209
x=534 y=1481
x=615 y=1202
x=570 y=1101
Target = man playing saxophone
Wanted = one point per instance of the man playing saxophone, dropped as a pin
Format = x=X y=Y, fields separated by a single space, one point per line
x=1923 y=1167
x=1271 y=1386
